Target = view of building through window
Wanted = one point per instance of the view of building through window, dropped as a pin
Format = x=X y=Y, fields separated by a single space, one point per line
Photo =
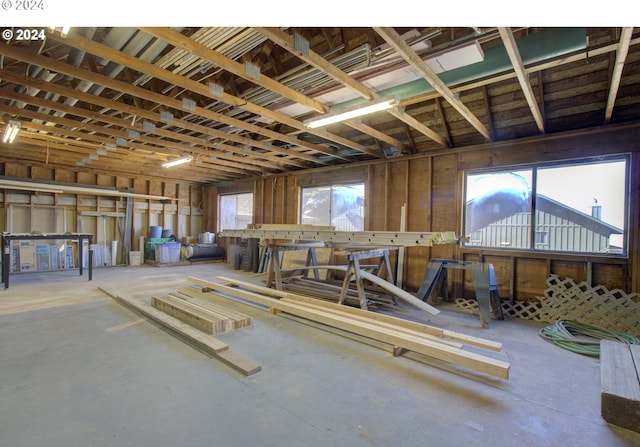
x=341 y=206
x=571 y=207
x=235 y=211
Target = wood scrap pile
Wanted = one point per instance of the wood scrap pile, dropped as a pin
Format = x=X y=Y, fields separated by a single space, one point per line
x=441 y=344
x=194 y=320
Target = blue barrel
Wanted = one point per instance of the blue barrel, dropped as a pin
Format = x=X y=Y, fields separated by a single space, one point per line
x=155 y=232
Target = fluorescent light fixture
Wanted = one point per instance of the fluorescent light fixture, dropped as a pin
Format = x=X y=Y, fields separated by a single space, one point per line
x=352 y=112
x=177 y=162
x=11 y=131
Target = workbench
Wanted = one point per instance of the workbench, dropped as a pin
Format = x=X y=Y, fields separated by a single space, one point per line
x=7 y=238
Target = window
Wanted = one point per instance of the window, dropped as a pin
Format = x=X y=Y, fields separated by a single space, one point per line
x=570 y=207
x=235 y=211
x=341 y=206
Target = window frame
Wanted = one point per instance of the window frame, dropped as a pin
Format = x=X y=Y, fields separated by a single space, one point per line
x=331 y=186
x=236 y=194
x=534 y=167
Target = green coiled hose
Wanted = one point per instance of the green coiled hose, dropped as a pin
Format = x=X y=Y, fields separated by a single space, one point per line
x=563 y=333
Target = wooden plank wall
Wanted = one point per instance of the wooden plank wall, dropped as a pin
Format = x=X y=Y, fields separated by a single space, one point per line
x=432 y=187
x=184 y=215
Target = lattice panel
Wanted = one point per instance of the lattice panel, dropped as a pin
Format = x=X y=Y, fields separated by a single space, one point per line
x=526 y=310
x=567 y=300
x=598 y=306
x=468 y=305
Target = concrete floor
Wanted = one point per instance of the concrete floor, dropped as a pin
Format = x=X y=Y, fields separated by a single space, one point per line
x=78 y=369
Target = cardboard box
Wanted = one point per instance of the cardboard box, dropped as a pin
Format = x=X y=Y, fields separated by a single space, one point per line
x=27 y=256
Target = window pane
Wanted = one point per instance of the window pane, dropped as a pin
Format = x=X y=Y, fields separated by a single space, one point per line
x=340 y=206
x=316 y=206
x=347 y=205
x=244 y=210
x=498 y=209
x=236 y=211
x=582 y=207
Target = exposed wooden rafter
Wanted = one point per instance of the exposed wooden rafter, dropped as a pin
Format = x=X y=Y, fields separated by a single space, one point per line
x=621 y=56
x=514 y=55
x=397 y=42
x=314 y=59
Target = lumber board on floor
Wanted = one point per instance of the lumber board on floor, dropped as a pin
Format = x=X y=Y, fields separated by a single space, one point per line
x=236 y=361
x=419 y=327
x=207 y=343
x=313 y=304
x=620 y=384
x=371 y=329
x=193 y=317
x=201 y=340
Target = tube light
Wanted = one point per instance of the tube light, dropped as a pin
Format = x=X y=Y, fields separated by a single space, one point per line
x=352 y=112
x=177 y=162
x=11 y=131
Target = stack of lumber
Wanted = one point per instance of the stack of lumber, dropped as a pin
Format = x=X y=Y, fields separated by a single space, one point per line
x=329 y=290
x=620 y=384
x=386 y=286
x=441 y=344
x=204 y=315
x=205 y=342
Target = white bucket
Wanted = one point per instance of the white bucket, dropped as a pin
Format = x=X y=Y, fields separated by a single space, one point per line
x=135 y=258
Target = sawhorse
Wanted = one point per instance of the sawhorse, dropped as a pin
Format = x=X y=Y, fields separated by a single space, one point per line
x=275 y=251
x=484 y=281
x=354 y=255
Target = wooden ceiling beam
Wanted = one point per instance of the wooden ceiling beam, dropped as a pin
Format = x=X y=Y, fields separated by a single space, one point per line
x=180 y=41
x=153 y=97
x=185 y=43
x=287 y=42
x=90 y=142
x=443 y=118
x=533 y=68
x=60 y=67
x=523 y=78
x=397 y=42
x=32 y=151
x=119 y=57
x=218 y=149
x=621 y=56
